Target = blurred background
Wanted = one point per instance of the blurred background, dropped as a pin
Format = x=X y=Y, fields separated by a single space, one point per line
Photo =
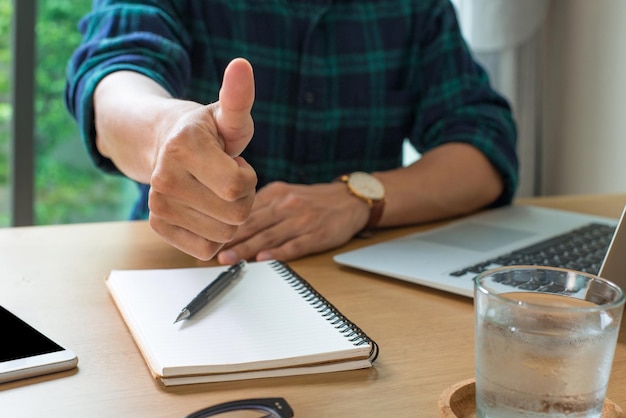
x=559 y=62
x=66 y=188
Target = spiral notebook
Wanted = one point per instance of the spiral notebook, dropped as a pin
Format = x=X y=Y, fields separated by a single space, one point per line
x=270 y=322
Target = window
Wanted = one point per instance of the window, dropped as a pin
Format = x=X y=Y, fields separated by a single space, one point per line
x=68 y=188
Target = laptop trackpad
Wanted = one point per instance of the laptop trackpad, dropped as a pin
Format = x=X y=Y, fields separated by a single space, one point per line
x=476 y=237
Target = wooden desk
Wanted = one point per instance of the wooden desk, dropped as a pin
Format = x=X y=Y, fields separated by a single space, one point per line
x=53 y=277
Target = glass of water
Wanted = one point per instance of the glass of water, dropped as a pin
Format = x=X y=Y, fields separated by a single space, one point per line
x=545 y=339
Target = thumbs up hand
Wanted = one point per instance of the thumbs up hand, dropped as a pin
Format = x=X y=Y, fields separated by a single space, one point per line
x=201 y=189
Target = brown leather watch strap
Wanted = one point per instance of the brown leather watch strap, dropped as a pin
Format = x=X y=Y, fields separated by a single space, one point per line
x=376 y=212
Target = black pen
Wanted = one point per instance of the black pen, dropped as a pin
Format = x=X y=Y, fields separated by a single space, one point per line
x=213 y=289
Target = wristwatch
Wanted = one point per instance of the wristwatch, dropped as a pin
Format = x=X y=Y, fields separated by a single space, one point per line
x=369 y=189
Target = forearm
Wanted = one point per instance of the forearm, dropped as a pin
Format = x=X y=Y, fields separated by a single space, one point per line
x=450 y=180
x=131 y=111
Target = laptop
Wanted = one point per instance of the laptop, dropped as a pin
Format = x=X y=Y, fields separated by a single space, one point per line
x=449 y=257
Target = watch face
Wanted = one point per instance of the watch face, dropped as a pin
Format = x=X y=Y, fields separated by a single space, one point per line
x=366 y=185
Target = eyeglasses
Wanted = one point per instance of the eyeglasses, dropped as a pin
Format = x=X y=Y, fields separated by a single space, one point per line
x=272 y=407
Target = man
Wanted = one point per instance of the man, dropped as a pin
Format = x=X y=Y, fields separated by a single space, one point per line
x=333 y=88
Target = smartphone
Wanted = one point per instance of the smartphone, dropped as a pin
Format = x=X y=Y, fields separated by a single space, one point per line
x=26 y=352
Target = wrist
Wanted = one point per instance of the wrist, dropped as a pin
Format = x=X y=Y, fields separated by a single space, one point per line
x=371 y=192
x=129 y=114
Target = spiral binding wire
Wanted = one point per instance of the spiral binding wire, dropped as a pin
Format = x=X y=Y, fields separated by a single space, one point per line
x=348 y=328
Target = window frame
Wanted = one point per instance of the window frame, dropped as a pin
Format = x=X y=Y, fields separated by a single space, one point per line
x=23 y=120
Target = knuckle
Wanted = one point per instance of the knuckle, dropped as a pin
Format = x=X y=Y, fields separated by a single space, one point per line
x=326 y=235
x=156 y=224
x=196 y=246
x=233 y=190
x=240 y=131
x=225 y=233
x=277 y=187
x=291 y=250
x=157 y=205
x=270 y=238
x=208 y=251
x=308 y=218
x=163 y=181
x=239 y=213
x=295 y=248
x=306 y=221
x=177 y=147
x=239 y=186
x=295 y=203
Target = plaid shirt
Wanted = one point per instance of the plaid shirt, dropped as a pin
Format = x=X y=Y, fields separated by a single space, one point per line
x=339 y=84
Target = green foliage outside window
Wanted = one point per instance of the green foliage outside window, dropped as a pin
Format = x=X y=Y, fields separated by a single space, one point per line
x=68 y=188
x=5 y=107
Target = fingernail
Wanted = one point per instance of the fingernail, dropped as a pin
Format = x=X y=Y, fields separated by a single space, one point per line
x=227 y=257
x=263 y=256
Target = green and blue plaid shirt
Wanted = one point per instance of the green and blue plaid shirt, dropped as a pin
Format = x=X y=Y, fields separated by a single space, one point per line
x=339 y=83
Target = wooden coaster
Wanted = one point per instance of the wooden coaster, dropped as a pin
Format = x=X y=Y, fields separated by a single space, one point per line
x=459 y=401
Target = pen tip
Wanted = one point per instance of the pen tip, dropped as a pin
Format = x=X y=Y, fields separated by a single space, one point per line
x=184 y=314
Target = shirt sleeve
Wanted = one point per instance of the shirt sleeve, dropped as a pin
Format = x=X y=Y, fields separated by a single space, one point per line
x=141 y=36
x=457 y=103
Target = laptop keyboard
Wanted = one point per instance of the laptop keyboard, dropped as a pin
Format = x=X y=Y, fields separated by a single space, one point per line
x=582 y=249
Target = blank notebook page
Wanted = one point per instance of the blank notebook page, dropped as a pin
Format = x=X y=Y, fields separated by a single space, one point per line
x=259 y=321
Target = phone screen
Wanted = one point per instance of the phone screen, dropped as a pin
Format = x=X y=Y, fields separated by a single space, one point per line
x=21 y=340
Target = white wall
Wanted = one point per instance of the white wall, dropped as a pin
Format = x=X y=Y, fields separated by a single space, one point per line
x=584 y=97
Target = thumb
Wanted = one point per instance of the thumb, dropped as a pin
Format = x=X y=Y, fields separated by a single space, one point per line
x=232 y=117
